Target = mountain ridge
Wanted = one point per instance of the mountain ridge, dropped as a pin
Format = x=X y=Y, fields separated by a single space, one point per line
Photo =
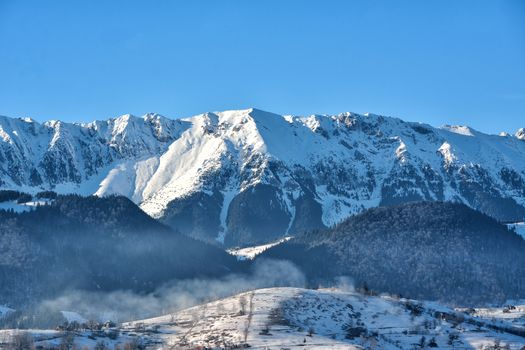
x=215 y=176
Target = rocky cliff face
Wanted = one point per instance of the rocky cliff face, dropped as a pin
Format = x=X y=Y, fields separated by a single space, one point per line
x=250 y=176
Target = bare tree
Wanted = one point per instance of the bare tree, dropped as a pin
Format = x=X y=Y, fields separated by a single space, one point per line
x=22 y=341
x=311 y=332
x=101 y=345
x=242 y=305
x=67 y=342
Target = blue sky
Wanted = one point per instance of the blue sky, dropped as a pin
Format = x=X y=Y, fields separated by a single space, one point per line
x=455 y=62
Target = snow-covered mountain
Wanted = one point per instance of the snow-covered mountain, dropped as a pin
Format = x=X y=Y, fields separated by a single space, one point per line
x=250 y=176
x=294 y=318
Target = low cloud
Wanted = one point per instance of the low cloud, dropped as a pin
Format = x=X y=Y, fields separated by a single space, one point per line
x=122 y=306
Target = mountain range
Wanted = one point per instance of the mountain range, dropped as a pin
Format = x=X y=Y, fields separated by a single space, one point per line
x=248 y=176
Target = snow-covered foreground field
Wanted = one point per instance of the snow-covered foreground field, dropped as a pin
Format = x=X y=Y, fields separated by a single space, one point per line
x=293 y=318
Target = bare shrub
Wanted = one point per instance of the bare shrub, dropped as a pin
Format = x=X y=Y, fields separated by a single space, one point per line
x=21 y=341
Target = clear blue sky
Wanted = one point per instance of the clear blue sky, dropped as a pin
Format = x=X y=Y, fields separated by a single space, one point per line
x=456 y=62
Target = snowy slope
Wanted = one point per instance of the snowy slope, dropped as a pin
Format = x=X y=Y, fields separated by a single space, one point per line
x=322 y=319
x=519 y=227
x=257 y=176
x=4 y=310
x=292 y=318
x=21 y=207
x=249 y=253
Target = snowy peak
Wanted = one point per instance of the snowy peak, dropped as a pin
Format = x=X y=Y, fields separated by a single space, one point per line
x=520 y=134
x=132 y=135
x=459 y=129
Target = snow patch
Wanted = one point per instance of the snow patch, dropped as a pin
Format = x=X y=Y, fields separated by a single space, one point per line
x=519 y=227
x=520 y=134
x=459 y=129
x=446 y=152
x=4 y=310
x=249 y=253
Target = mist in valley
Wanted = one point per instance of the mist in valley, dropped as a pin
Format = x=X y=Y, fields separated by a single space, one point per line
x=126 y=305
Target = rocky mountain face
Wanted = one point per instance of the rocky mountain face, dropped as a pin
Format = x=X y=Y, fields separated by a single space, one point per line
x=77 y=157
x=250 y=176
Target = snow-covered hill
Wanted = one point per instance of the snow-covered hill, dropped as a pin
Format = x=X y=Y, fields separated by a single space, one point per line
x=292 y=318
x=249 y=176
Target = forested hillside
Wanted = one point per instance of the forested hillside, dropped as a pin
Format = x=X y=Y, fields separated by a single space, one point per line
x=94 y=243
x=426 y=250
